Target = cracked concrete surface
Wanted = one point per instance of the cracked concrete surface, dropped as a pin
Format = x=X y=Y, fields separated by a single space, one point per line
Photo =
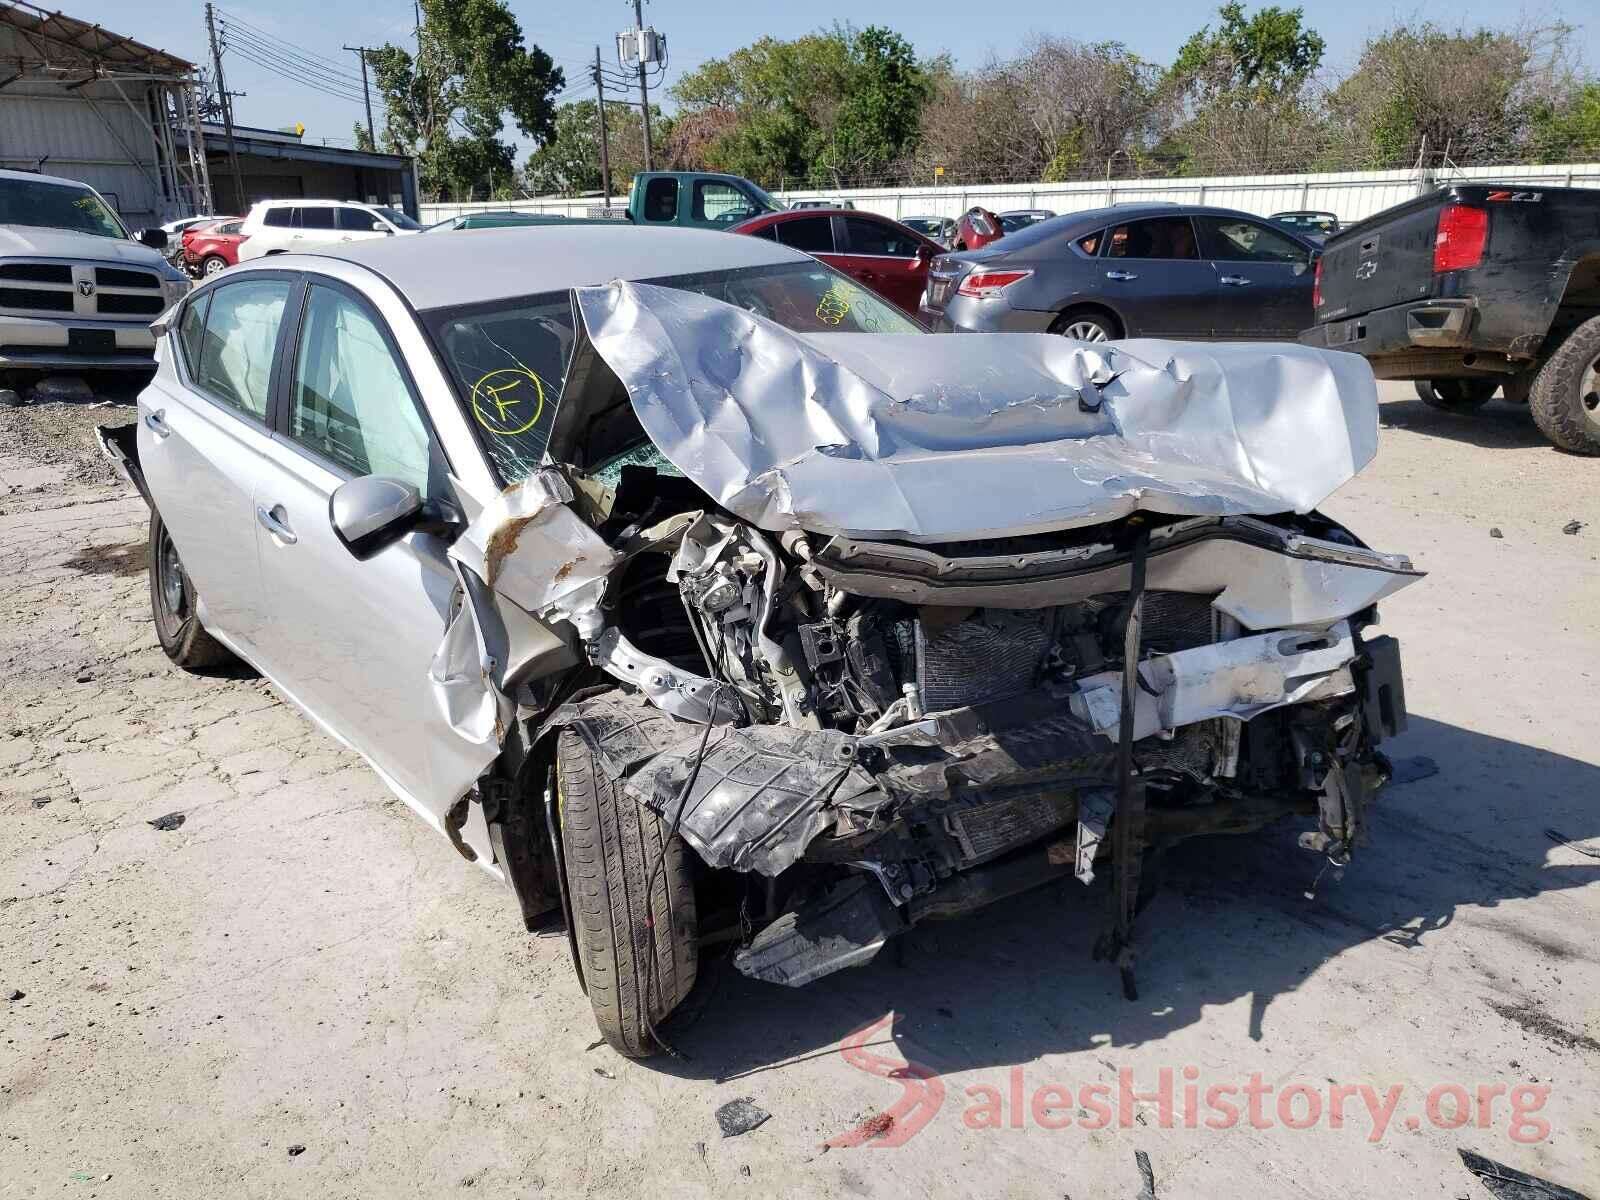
x=302 y=962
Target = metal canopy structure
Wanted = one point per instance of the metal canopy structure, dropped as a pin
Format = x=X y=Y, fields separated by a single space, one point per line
x=144 y=101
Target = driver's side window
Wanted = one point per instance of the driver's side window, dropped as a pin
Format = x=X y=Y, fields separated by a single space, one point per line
x=720 y=202
x=349 y=399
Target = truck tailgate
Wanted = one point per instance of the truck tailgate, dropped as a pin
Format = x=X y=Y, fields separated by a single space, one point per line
x=1380 y=263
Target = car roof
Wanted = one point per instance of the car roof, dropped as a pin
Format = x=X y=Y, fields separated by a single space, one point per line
x=316 y=203
x=475 y=266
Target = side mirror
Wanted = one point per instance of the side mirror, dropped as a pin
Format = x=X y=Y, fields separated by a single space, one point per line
x=372 y=512
x=155 y=238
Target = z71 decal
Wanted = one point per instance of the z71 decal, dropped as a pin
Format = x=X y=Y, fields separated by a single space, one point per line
x=1514 y=197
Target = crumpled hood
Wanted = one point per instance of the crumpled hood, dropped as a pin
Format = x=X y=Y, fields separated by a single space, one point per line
x=38 y=242
x=937 y=438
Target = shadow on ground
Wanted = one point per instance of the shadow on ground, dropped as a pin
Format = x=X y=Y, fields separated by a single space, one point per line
x=1498 y=425
x=1232 y=920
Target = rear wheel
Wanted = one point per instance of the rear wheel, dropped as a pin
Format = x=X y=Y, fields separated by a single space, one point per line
x=1456 y=395
x=633 y=907
x=172 y=607
x=1086 y=326
x=1565 y=399
x=213 y=264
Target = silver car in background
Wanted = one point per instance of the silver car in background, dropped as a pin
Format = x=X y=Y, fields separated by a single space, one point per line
x=1134 y=270
x=698 y=594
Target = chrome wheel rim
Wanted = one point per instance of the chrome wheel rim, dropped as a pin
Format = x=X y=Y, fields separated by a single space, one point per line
x=171 y=577
x=1087 y=331
x=214 y=266
x=1589 y=392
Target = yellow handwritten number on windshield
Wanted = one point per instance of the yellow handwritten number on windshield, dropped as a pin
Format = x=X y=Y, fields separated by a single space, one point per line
x=508 y=401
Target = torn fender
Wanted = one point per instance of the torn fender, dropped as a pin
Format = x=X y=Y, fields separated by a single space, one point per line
x=930 y=439
x=525 y=562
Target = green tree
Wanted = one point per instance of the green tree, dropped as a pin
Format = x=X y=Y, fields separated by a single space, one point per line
x=821 y=108
x=1567 y=129
x=568 y=163
x=1261 y=57
x=448 y=103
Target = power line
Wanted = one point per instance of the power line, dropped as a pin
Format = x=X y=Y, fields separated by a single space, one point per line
x=250 y=48
x=333 y=65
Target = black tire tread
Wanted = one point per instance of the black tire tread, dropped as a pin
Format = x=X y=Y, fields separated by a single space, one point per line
x=191 y=648
x=1554 y=399
x=610 y=843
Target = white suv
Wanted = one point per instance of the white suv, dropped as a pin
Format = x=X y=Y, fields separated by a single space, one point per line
x=280 y=226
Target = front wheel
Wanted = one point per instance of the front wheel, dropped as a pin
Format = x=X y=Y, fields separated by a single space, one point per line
x=1456 y=395
x=172 y=606
x=633 y=906
x=1565 y=399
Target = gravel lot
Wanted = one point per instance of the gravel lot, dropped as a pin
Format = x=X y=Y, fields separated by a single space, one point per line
x=303 y=991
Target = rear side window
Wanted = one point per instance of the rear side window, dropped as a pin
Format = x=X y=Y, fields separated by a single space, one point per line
x=281 y=217
x=661 y=199
x=316 y=218
x=357 y=220
x=770 y=232
x=813 y=235
x=1228 y=239
x=1090 y=243
x=241 y=332
x=863 y=236
x=1159 y=237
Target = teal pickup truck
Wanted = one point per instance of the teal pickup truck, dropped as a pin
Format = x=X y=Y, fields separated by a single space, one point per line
x=695 y=199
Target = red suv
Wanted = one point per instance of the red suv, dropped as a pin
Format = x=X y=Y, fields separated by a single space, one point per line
x=213 y=247
x=878 y=253
x=978 y=227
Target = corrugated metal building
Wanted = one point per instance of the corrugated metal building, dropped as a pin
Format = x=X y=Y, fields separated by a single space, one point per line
x=274 y=165
x=82 y=102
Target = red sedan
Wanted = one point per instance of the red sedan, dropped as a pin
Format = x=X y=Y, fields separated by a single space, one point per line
x=878 y=253
x=210 y=248
x=977 y=227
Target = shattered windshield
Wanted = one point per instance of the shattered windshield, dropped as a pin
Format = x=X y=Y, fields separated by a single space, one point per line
x=508 y=359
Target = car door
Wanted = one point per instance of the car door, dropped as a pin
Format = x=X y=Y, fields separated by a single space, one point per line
x=315 y=226
x=882 y=254
x=719 y=205
x=203 y=440
x=1264 y=277
x=1154 y=278
x=358 y=225
x=355 y=638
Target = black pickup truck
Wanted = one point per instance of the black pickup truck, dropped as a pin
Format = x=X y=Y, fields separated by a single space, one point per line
x=1475 y=288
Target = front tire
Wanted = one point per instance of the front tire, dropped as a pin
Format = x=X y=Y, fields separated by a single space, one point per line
x=1565 y=399
x=172 y=607
x=611 y=844
x=1456 y=395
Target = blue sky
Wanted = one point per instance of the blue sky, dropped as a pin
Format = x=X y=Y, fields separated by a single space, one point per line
x=701 y=30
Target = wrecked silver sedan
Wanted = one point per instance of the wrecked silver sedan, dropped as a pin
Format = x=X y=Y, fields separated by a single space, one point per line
x=705 y=599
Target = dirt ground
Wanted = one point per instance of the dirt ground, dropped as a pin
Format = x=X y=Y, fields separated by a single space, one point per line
x=301 y=990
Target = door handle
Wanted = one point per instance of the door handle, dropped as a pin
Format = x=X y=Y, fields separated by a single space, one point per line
x=275 y=524
x=1120 y=275
x=156 y=423
x=1235 y=280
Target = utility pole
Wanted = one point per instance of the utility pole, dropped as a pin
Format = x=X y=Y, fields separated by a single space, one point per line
x=642 y=47
x=366 y=92
x=227 y=108
x=644 y=88
x=605 y=149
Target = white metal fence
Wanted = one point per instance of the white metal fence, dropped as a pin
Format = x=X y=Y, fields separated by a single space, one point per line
x=1352 y=195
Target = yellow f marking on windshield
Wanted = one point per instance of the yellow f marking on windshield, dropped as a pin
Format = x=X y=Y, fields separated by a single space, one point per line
x=508 y=401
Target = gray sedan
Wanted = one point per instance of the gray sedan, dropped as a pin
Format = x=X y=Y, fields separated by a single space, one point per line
x=1131 y=271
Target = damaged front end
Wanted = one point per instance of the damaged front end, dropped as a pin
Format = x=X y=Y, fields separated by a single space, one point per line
x=892 y=627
